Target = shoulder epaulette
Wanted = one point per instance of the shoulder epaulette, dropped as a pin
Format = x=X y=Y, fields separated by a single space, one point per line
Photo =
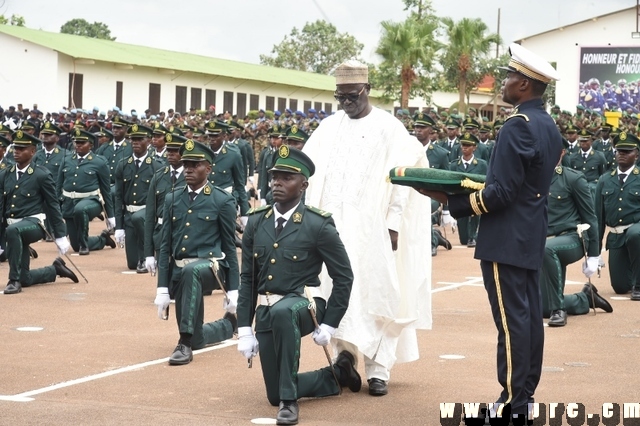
x=517 y=115
x=322 y=213
x=166 y=169
x=255 y=210
x=613 y=172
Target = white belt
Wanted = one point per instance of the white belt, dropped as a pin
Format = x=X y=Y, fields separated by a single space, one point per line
x=619 y=229
x=159 y=221
x=74 y=194
x=181 y=263
x=41 y=217
x=133 y=209
x=272 y=299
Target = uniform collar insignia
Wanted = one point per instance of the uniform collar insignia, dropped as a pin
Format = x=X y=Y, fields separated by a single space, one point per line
x=559 y=170
x=297 y=217
x=207 y=190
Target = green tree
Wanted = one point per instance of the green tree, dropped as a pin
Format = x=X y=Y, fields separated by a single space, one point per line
x=468 y=46
x=408 y=51
x=318 y=47
x=15 y=20
x=83 y=28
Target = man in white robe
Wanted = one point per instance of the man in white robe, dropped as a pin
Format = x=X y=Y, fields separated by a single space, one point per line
x=385 y=228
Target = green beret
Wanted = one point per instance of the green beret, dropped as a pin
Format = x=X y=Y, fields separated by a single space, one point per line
x=626 y=141
x=81 y=135
x=139 y=131
x=196 y=151
x=174 y=141
x=21 y=138
x=118 y=121
x=422 y=119
x=469 y=139
x=293 y=160
x=50 y=128
x=296 y=134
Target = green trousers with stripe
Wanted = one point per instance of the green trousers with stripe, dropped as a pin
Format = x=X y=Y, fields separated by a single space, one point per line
x=279 y=330
x=187 y=287
x=78 y=225
x=18 y=237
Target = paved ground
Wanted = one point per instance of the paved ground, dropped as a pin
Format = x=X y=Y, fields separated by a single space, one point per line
x=100 y=357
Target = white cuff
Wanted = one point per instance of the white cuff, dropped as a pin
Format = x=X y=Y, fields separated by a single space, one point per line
x=162 y=290
x=244 y=331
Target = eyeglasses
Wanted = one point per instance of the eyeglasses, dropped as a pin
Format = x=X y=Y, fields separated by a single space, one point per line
x=352 y=97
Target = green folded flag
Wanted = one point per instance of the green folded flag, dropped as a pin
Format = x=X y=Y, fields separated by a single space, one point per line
x=437 y=180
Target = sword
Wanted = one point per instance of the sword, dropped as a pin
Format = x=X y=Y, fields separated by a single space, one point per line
x=65 y=255
x=581 y=228
x=312 y=311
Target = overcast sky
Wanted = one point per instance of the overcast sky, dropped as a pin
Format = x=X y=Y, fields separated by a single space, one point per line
x=243 y=29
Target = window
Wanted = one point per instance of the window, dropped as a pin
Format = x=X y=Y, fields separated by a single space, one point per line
x=210 y=98
x=154 y=98
x=328 y=108
x=317 y=106
x=293 y=104
x=282 y=104
x=241 y=109
x=307 y=106
x=119 y=94
x=227 y=104
x=271 y=101
x=254 y=102
x=196 y=98
x=181 y=99
x=75 y=90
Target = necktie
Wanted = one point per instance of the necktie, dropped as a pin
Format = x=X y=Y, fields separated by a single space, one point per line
x=174 y=177
x=80 y=160
x=137 y=164
x=192 y=195
x=20 y=175
x=466 y=165
x=281 y=220
x=621 y=176
x=48 y=155
x=584 y=156
x=115 y=147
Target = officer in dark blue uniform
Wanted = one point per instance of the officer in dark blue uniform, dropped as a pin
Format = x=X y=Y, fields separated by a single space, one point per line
x=511 y=237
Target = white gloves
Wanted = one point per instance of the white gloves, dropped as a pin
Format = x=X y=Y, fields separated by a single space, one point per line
x=63 y=245
x=244 y=220
x=590 y=266
x=251 y=179
x=119 y=236
x=230 y=303
x=446 y=218
x=323 y=334
x=150 y=264
x=247 y=342
x=162 y=300
x=111 y=222
x=263 y=202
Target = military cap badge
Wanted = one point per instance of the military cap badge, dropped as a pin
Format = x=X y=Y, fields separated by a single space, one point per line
x=168 y=137
x=275 y=127
x=171 y=129
x=420 y=116
x=156 y=125
x=47 y=125
x=283 y=151
x=189 y=145
x=134 y=128
x=78 y=132
x=19 y=134
x=212 y=124
x=116 y=119
x=623 y=136
x=467 y=135
x=294 y=129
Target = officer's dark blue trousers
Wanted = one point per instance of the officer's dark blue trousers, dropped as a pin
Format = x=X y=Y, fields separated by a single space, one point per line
x=514 y=295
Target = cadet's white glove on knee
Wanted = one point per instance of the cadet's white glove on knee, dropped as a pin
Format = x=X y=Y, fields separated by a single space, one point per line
x=323 y=334
x=590 y=266
x=63 y=245
x=230 y=303
x=162 y=300
x=247 y=342
x=446 y=218
x=150 y=264
x=119 y=236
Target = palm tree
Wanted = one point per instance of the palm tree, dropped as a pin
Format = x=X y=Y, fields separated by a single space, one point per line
x=407 y=46
x=468 y=43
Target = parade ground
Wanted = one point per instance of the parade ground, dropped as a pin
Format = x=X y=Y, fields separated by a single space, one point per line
x=96 y=354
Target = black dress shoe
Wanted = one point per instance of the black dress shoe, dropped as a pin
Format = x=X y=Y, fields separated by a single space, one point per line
x=83 y=251
x=13 y=287
x=635 y=293
x=377 y=387
x=594 y=299
x=33 y=253
x=100 y=216
x=434 y=251
x=287 y=413
x=233 y=320
x=442 y=241
x=558 y=318
x=107 y=236
x=3 y=256
x=349 y=376
x=141 y=269
x=471 y=243
x=181 y=355
x=63 y=271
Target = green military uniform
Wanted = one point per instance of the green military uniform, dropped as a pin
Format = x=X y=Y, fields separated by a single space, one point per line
x=266 y=161
x=28 y=195
x=591 y=163
x=452 y=146
x=246 y=151
x=114 y=151
x=133 y=176
x=83 y=187
x=569 y=205
x=485 y=148
x=606 y=146
x=468 y=226
x=275 y=270
x=618 y=211
x=197 y=235
x=163 y=183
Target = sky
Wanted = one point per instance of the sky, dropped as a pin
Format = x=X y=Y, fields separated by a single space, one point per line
x=243 y=29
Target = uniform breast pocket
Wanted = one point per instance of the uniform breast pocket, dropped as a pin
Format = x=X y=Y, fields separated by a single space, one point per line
x=611 y=197
x=90 y=172
x=207 y=218
x=560 y=195
x=295 y=259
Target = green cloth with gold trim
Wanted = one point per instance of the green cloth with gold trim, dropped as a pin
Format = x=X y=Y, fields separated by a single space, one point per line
x=626 y=140
x=293 y=160
x=437 y=180
x=296 y=134
x=196 y=151
x=139 y=131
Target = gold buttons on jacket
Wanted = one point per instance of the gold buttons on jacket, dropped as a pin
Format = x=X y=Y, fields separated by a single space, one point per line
x=270 y=277
x=184 y=249
x=186 y=237
x=275 y=245
x=187 y=224
x=295 y=257
x=272 y=260
x=189 y=211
